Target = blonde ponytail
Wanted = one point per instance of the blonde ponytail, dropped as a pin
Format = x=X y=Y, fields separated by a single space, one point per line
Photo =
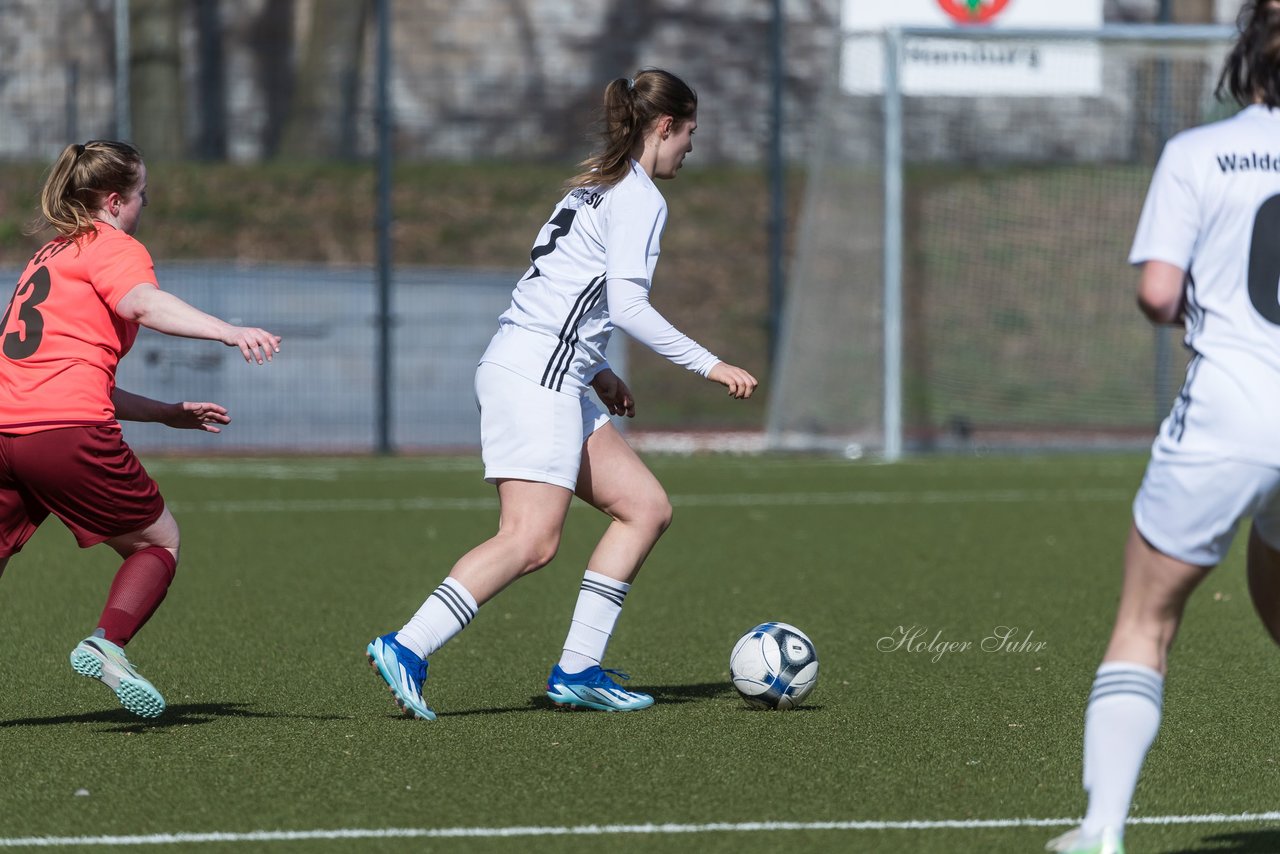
x=80 y=180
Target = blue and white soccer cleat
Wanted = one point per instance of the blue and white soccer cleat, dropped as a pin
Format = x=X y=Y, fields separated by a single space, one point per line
x=100 y=659
x=593 y=689
x=404 y=674
x=1074 y=842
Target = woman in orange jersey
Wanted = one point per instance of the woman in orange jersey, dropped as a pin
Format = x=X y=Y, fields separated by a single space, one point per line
x=74 y=314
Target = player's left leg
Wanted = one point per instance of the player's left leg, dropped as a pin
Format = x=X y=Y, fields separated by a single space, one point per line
x=1124 y=709
x=140 y=585
x=1123 y=712
x=1152 y=599
x=142 y=581
x=90 y=479
x=613 y=479
x=1185 y=517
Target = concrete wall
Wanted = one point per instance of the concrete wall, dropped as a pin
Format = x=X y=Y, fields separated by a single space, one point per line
x=475 y=79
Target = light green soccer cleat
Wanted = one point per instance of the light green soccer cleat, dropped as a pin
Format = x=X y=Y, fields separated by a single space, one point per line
x=102 y=660
x=1073 y=842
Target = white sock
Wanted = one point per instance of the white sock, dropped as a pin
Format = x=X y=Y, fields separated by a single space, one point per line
x=599 y=604
x=1121 y=721
x=445 y=613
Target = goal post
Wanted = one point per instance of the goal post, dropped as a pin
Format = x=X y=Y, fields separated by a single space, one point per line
x=959 y=276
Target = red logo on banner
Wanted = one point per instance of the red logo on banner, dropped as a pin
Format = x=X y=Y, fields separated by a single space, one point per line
x=973 y=11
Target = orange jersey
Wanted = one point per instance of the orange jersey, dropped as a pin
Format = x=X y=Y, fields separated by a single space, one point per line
x=60 y=339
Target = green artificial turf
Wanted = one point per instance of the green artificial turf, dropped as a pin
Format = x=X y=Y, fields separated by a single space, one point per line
x=276 y=723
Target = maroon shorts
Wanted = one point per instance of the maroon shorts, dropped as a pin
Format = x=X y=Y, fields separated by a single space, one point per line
x=86 y=476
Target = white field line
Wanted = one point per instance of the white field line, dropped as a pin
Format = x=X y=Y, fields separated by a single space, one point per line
x=599 y=830
x=773 y=499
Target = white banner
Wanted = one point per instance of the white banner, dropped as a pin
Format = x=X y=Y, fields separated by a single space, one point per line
x=941 y=66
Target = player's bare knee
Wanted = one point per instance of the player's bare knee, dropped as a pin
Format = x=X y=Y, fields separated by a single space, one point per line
x=651 y=510
x=538 y=554
x=162 y=533
x=168 y=539
x=661 y=513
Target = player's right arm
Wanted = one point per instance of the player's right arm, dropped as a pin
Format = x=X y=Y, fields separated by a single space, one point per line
x=1168 y=230
x=614 y=393
x=155 y=309
x=1160 y=292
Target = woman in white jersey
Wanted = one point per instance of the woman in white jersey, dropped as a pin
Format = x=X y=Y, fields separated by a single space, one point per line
x=543 y=438
x=1208 y=242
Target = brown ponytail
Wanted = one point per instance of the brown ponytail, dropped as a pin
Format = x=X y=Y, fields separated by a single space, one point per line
x=631 y=106
x=1251 y=72
x=81 y=179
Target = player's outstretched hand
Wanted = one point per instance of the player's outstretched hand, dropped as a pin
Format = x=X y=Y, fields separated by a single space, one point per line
x=196 y=416
x=256 y=345
x=740 y=383
x=614 y=394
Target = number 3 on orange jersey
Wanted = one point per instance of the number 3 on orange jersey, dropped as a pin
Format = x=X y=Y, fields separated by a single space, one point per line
x=25 y=340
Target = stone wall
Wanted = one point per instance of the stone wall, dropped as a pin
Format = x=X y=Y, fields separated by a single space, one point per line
x=474 y=79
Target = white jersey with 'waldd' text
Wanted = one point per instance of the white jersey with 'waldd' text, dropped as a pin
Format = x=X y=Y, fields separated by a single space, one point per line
x=557 y=328
x=1213 y=209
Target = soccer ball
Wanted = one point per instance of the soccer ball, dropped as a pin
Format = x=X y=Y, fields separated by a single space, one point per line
x=774 y=666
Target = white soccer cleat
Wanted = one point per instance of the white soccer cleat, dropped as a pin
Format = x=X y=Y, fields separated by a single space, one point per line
x=1074 y=842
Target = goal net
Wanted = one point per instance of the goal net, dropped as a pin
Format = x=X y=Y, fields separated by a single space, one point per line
x=994 y=184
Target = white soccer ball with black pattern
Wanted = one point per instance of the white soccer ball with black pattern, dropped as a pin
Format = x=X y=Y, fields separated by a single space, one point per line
x=774 y=666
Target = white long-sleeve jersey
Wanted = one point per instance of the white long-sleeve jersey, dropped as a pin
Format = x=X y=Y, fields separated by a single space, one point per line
x=590 y=269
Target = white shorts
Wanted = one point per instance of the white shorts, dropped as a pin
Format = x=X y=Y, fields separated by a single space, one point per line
x=529 y=432
x=1189 y=505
